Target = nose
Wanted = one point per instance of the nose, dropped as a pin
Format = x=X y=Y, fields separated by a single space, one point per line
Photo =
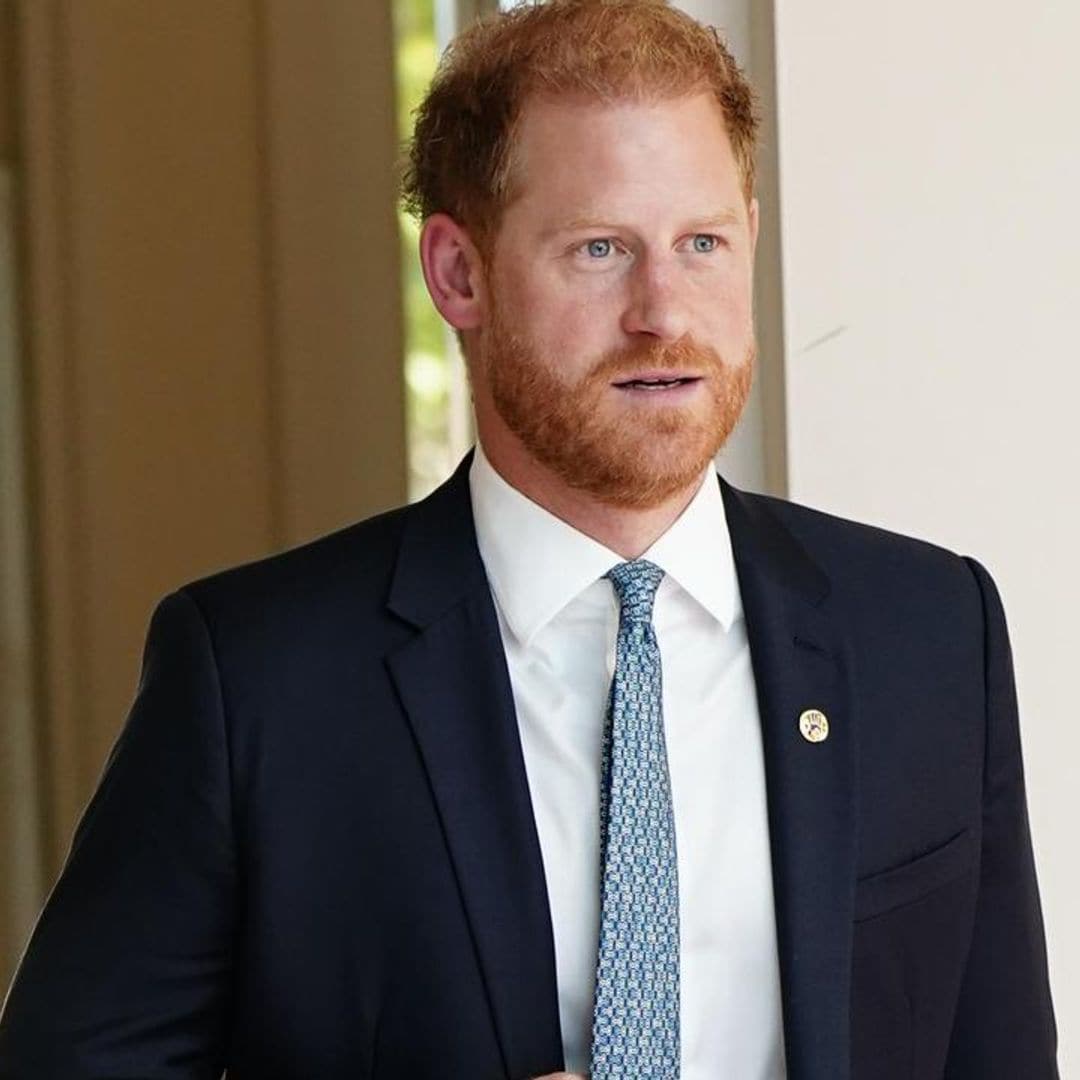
x=656 y=302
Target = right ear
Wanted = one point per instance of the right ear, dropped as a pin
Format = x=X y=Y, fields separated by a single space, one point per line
x=453 y=272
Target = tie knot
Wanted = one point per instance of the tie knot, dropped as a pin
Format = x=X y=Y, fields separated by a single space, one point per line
x=635 y=585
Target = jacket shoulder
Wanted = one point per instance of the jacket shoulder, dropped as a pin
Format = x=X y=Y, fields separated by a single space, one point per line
x=348 y=569
x=858 y=556
x=816 y=523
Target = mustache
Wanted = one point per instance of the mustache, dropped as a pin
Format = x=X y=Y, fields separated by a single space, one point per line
x=684 y=356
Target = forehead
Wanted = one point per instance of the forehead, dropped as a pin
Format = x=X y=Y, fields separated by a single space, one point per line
x=573 y=157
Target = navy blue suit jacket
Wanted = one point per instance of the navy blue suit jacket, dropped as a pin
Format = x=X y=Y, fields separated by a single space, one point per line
x=312 y=852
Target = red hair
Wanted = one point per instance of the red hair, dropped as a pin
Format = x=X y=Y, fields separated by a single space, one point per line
x=461 y=155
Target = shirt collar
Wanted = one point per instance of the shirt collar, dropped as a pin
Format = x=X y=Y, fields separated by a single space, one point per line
x=536 y=563
x=696 y=553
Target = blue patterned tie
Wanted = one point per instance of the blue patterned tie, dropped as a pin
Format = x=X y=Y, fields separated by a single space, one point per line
x=636 y=1009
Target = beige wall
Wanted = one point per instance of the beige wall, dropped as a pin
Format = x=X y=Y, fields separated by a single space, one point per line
x=929 y=170
x=212 y=314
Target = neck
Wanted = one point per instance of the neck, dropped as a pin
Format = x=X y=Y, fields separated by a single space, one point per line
x=628 y=531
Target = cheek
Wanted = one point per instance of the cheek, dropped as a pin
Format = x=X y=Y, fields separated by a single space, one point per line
x=725 y=309
x=567 y=322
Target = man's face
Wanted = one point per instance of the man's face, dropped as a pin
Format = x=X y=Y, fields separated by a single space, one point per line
x=626 y=255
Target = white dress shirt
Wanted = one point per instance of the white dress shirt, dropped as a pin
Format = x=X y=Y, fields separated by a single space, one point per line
x=559 y=618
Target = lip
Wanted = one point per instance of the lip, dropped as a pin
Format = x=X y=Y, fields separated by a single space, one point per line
x=678 y=394
x=655 y=375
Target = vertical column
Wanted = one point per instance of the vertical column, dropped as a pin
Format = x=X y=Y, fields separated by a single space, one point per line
x=21 y=835
x=329 y=174
x=212 y=312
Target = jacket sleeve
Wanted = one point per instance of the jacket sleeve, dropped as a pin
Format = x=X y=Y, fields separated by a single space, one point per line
x=127 y=971
x=1004 y=1024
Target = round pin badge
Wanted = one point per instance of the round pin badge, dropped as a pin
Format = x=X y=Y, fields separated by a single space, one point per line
x=814 y=725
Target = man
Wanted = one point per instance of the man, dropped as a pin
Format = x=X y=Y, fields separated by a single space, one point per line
x=589 y=761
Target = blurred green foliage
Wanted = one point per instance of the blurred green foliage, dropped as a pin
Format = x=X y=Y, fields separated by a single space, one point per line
x=427 y=367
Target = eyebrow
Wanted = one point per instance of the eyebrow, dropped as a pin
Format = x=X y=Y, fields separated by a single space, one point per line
x=713 y=220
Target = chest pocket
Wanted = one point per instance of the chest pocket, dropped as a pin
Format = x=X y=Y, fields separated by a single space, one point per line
x=901 y=885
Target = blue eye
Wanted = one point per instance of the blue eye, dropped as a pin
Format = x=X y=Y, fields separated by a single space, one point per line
x=705 y=242
x=599 y=249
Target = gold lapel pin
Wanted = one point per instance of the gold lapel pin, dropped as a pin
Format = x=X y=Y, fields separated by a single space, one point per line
x=814 y=725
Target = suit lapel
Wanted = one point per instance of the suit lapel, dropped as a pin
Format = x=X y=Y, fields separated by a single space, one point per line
x=799 y=663
x=453 y=683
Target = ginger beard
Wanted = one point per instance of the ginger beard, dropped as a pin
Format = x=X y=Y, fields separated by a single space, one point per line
x=625 y=454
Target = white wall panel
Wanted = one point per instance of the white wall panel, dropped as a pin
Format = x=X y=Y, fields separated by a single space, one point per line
x=929 y=168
